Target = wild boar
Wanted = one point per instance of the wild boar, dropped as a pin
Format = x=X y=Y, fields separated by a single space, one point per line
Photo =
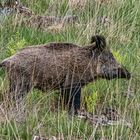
x=61 y=66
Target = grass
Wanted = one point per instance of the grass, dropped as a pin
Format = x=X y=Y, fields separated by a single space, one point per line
x=123 y=39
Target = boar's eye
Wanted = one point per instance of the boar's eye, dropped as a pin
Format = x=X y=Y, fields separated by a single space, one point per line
x=102 y=60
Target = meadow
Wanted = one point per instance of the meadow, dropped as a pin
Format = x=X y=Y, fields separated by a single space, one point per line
x=119 y=22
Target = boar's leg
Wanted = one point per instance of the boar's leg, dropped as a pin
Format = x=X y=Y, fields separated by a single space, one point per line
x=74 y=101
x=71 y=99
x=18 y=87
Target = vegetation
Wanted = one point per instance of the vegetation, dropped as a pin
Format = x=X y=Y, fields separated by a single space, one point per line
x=121 y=27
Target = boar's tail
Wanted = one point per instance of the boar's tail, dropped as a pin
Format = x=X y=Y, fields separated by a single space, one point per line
x=99 y=40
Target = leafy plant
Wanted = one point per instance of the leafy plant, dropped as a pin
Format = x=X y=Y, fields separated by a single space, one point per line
x=91 y=101
x=15 y=44
x=118 y=57
x=90 y=97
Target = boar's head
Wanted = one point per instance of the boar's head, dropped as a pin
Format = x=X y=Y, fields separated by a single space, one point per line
x=107 y=66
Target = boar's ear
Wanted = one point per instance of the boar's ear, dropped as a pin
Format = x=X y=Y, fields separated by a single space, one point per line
x=99 y=41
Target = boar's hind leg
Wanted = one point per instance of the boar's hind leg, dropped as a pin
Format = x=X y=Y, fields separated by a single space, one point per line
x=18 y=87
x=71 y=98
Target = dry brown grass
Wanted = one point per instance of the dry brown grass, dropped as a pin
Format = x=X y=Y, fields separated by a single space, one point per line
x=77 y=4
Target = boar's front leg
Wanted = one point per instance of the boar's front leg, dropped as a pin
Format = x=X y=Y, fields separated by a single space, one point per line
x=71 y=98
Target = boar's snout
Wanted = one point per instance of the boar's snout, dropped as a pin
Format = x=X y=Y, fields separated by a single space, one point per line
x=116 y=73
x=123 y=73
